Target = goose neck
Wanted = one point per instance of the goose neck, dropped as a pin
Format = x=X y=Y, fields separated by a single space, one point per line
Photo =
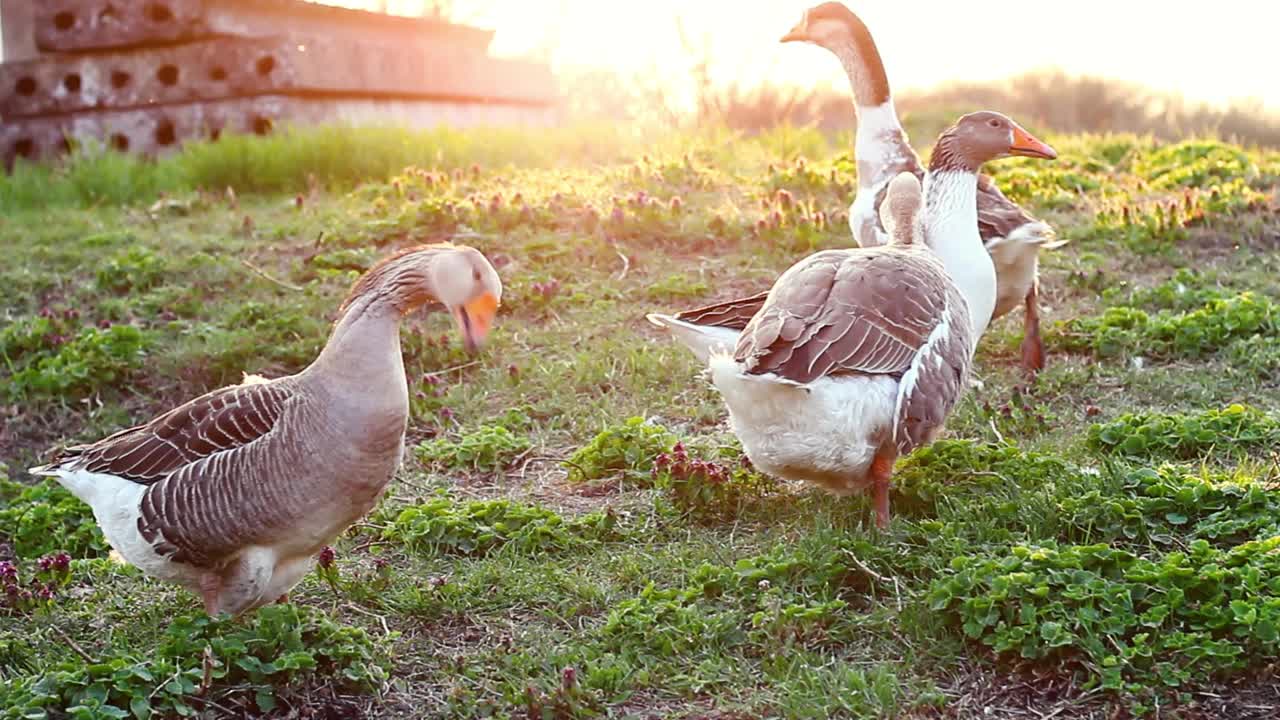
x=951 y=197
x=365 y=343
x=862 y=64
x=879 y=141
x=951 y=231
x=880 y=144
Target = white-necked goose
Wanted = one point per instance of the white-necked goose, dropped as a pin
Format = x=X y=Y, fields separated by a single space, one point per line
x=856 y=356
x=233 y=493
x=1012 y=236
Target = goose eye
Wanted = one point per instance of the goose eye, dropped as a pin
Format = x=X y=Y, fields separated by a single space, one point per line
x=993 y=123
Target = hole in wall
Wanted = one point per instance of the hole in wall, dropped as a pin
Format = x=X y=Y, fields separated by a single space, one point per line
x=24 y=147
x=26 y=85
x=159 y=12
x=165 y=134
x=167 y=75
x=120 y=142
x=64 y=20
x=71 y=82
x=119 y=79
x=265 y=65
x=217 y=73
x=261 y=125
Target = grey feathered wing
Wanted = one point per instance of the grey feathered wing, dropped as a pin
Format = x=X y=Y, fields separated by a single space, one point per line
x=204 y=464
x=880 y=311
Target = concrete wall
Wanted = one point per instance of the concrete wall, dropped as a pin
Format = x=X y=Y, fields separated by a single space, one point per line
x=81 y=25
x=144 y=76
x=157 y=131
x=212 y=69
x=17 y=28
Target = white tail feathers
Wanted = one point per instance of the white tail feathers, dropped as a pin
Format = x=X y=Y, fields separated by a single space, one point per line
x=703 y=340
x=900 y=211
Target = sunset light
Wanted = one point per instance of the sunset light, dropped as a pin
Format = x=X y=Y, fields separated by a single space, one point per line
x=1217 y=56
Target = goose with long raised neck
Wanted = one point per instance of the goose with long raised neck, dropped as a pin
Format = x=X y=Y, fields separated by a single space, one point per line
x=857 y=356
x=1011 y=235
x=233 y=494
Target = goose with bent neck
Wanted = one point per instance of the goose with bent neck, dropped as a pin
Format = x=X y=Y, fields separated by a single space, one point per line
x=233 y=493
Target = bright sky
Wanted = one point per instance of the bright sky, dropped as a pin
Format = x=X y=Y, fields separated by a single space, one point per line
x=1221 y=51
x=1218 y=52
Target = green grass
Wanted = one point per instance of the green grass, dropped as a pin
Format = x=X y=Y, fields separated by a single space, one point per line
x=575 y=533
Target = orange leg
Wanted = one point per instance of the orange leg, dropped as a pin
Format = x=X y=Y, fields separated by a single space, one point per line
x=1032 y=345
x=881 y=474
x=210 y=588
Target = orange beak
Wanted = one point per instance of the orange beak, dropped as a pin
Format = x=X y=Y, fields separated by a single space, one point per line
x=797 y=33
x=475 y=318
x=1025 y=144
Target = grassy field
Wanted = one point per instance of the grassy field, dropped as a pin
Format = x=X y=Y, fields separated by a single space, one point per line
x=1101 y=543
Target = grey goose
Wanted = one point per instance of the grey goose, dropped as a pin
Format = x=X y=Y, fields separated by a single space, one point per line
x=233 y=493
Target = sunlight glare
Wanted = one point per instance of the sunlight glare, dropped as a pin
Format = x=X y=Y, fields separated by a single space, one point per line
x=1207 y=56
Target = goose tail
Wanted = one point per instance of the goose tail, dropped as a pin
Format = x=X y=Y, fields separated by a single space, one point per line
x=702 y=340
x=46 y=470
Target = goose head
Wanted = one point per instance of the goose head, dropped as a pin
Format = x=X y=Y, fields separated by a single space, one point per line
x=981 y=136
x=832 y=26
x=456 y=276
x=829 y=25
x=464 y=281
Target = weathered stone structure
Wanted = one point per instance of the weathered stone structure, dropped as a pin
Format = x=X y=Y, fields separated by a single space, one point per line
x=145 y=75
